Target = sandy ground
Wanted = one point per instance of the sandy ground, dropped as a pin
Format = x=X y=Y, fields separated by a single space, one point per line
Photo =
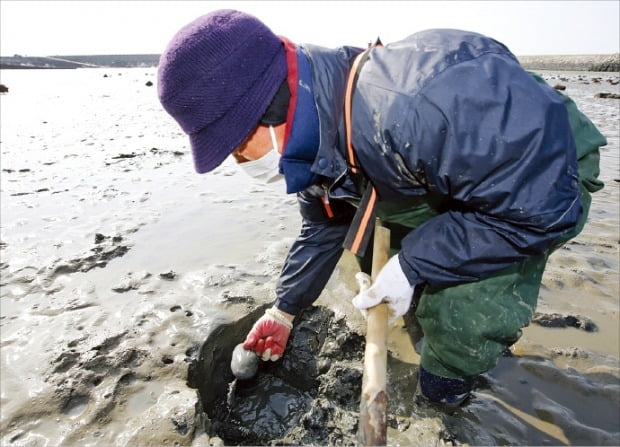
x=117 y=261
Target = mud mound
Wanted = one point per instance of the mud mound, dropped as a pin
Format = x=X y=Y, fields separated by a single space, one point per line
x=310 y=396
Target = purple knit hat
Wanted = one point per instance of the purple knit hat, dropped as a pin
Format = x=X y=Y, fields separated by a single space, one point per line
x=216 y=78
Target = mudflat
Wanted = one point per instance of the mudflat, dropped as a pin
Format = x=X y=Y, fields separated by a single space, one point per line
x=118 y=262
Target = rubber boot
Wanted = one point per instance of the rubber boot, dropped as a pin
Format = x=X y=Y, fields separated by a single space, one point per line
x=443 y=392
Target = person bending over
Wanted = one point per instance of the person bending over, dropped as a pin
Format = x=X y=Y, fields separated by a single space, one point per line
x=479 y=169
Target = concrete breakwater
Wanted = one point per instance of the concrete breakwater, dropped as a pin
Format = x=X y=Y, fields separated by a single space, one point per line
x=588 y=62
x=585 y=62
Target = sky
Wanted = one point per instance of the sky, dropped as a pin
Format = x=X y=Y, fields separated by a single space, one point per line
x=46 y=28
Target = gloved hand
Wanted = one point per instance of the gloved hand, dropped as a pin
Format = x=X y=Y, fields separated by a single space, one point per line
x=390 y=286
x=269 y=335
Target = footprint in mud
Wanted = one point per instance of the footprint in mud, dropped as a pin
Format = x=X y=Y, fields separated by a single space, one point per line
x=76 y=405
x=80 y=370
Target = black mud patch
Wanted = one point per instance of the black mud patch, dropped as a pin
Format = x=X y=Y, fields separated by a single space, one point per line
x=311 y=396
x=563 y=321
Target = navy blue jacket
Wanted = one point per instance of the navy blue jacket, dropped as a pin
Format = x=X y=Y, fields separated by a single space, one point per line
x=442 y=113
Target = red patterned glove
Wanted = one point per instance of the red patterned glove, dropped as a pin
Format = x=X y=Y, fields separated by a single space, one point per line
x=269 y=335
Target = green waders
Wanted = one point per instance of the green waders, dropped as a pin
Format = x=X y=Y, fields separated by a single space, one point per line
x=468 y=326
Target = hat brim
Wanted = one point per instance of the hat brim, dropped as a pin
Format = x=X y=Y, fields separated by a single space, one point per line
x=211 y=145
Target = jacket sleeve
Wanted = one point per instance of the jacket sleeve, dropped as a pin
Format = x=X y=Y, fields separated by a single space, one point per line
x=315 y=253
x=499 y=147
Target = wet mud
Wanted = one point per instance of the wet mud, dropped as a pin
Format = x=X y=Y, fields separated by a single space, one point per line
x=309 y=396
x=312 y=395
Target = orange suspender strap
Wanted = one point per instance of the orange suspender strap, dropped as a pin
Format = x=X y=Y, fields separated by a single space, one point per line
x=348 y=97
x=361 y=229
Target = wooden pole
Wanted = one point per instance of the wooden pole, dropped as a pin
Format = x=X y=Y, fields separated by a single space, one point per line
x=373 y=403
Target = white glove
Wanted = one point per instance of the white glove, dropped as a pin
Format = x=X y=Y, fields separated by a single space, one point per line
x=390 y=286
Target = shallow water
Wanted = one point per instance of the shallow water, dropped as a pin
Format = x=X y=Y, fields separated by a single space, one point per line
x=117 y=261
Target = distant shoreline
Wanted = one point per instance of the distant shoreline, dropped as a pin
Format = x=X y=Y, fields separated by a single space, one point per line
x=587 y=62
x=86 y=61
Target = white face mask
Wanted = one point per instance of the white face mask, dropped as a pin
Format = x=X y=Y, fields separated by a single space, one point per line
x=266 y=168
